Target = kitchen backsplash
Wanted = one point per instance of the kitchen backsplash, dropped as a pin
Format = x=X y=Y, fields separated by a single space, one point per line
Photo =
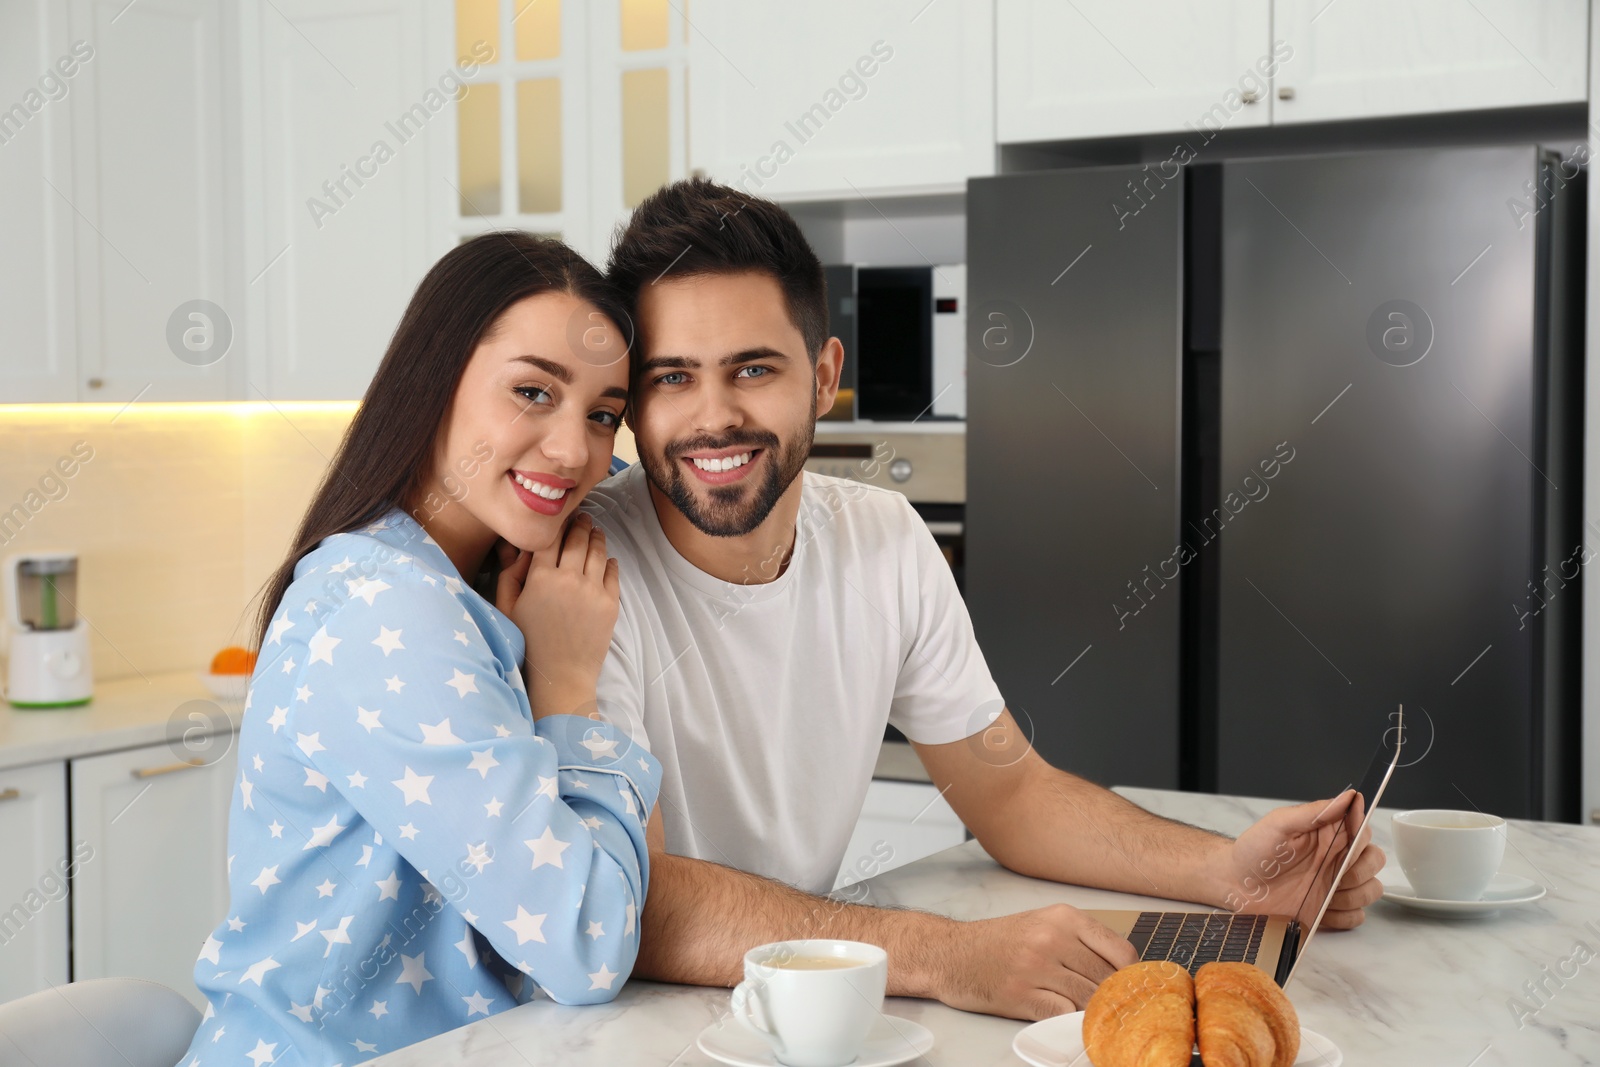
x=178 y=513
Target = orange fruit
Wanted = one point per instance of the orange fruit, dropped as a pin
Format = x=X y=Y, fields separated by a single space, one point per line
x=233 y=660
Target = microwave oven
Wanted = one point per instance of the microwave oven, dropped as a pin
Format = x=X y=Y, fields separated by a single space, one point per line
x=904 y=336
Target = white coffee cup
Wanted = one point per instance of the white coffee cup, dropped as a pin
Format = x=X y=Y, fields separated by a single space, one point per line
x=814 y=1000
x=1449 y=855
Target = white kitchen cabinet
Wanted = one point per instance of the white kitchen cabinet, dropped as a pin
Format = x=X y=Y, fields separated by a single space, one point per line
x=147 y=198
x=158 y=882
x=39 y=360
x=839 y=99
x=33 y=883
x=1370 y=58
x=900 y=822
x=1103 y=68
x=347 y=116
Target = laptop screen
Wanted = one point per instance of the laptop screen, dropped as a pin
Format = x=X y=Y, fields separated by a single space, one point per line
x=1339 y=851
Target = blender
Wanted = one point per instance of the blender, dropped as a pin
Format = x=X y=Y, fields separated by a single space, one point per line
x=47 y=646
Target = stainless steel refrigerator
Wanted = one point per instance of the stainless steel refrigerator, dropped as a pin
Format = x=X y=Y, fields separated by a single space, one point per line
x=1259 y=450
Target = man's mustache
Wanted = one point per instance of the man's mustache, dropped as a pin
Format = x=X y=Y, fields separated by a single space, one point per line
x=707 y=443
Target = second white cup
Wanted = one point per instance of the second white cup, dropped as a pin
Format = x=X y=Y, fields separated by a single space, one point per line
x=1449 y=855
x=814 y=1001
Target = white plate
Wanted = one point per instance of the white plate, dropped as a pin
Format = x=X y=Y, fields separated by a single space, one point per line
x=1504 y=891
x=1058 y=1042
x=891 y=1040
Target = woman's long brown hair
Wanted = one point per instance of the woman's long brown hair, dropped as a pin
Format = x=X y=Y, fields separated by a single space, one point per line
x=387 y=451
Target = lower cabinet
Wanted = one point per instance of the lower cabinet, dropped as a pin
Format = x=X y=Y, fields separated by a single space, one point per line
x=34 y=860
x=157 y=880
x=900 y=822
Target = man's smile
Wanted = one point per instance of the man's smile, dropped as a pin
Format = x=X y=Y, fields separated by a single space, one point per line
x=722 y=466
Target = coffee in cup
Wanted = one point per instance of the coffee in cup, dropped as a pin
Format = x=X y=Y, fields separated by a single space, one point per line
x=1449 y=855
x=813 y=1001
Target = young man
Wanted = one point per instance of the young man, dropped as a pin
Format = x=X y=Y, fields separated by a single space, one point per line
x=772 y=621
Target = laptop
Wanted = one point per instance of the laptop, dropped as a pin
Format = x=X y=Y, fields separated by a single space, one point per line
x=1271 y=942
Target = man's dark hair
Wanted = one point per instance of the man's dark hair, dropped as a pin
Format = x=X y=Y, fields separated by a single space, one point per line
x=698 y=227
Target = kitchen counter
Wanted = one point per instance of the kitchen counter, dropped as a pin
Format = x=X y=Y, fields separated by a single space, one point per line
x=1403 y=989
x=123 y=714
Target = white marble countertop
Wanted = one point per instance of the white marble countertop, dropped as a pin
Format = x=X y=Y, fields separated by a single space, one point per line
x=1403 y=989
x=123 y=714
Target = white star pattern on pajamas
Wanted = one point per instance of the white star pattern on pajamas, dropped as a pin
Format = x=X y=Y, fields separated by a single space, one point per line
x=338 y=935
x=388 y=640
x=374 y=724
x=463 y=683
x=527 y=927
x=322 y=647
x=280 y=626
x=438 y=733
x=258 y=970
x=546 y=849
x=413 y=972
x=483 y=762
x=415 y=787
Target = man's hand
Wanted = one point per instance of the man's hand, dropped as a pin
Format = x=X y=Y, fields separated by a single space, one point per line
x=1031 y=965
x=1273 y=864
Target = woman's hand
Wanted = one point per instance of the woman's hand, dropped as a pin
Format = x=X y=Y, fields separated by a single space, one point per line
x=564 y=600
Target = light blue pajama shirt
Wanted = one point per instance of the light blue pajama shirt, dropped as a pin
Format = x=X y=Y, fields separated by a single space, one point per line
x=408 y=850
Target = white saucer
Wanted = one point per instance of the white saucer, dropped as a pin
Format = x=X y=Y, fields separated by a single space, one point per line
x=1058 y=1042
x=1504 y=891
x=891 y=1040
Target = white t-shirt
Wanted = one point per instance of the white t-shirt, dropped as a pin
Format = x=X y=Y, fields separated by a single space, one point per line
x=766 y=703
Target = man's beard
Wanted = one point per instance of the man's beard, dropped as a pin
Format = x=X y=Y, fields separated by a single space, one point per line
x=732 y=510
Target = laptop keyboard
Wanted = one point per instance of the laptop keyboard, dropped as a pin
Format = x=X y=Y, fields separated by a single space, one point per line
x=1193 y=938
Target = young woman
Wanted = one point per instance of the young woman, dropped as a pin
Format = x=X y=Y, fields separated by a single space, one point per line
x=421 y=834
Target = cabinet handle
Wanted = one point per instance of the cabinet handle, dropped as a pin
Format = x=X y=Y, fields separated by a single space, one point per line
x=1286 y=93
x=96 y=383
x=1594 y=816
x=1250 y=96
x=181 y=765
x=10 y=794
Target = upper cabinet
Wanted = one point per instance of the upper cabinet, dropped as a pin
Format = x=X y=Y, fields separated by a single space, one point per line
x=840 y=99
x=113 y=173
x=346 y=112
x=1366 y=58
x=39 y=359
x=1103 y=68
x=149 y=198
x=1098 y=68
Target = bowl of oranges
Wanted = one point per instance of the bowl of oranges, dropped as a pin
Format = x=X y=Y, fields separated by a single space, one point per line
x=229 y=677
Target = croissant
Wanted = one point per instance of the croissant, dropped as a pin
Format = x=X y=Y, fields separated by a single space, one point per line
x=1141 y=1016
x=1243 y=1018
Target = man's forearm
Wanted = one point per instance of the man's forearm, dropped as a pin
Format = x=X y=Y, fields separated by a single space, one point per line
x=1080 y=833
x=700 y=918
